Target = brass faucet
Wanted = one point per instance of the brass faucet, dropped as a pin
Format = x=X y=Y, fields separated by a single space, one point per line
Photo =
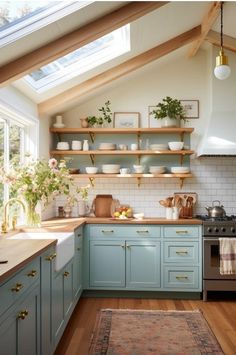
x=5 y=215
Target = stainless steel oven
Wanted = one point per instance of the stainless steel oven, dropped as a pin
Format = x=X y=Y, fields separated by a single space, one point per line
x=212 y=231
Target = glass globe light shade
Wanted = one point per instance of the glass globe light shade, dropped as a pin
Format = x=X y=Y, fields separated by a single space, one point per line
x=222 y=72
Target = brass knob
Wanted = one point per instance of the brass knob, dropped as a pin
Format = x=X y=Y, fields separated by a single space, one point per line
x=23 y=314
x=78 y=248
x=66 y=273
x=17 y=288
x=128 y=246
x=123 y=246
x=51 y=257
x=79 y=235
x=32 y=273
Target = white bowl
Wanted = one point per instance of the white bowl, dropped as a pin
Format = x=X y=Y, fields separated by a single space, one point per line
x=176 y=145
x=138 y=215
x=91 y=169
x=180 y=170
x=111 y=166
x=157 y=169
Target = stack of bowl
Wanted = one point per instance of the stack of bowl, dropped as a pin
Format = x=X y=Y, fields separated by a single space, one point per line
x=111 y=168
x=180 y=170
x=155 y=169
x=107 y=146
x=176 y=145
x=63 y=146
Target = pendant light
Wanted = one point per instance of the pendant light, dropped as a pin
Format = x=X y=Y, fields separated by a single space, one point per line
x=222 y=70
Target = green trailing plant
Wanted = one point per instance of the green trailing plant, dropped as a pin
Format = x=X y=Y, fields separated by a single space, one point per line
x=169 y=107
x=105 y=117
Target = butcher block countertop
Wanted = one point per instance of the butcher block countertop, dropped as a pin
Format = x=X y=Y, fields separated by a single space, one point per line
x=19 y=252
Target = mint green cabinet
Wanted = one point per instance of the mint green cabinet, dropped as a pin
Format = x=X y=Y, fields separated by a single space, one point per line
x=107 y=263
x=143 y=264
x=20 y=324
x=77 y=268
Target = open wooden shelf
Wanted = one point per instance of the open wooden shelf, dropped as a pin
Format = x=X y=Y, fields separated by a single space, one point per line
x=121 y=152
x=121 y=130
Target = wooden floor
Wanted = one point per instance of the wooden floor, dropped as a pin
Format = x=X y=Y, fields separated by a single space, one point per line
x=221 y=315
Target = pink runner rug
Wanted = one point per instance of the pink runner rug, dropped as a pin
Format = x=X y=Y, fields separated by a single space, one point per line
x=140 y=332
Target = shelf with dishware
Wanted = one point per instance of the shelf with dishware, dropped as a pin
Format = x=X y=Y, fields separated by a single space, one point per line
x=101 y=151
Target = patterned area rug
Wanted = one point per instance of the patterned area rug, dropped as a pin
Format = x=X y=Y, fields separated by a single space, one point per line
x=138 y=332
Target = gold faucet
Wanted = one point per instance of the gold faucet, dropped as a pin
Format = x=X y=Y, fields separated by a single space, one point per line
x=5 y=215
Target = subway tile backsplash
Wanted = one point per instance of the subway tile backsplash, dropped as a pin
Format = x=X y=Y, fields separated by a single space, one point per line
x=214 y=178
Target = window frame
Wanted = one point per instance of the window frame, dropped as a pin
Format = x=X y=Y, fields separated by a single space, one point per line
x=39 y=20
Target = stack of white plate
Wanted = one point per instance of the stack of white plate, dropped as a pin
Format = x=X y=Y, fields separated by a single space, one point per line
x=111 y=168
x=107 y=146
x=180 y=170
x=63 y=146
x=159 y=146
x=157 y=169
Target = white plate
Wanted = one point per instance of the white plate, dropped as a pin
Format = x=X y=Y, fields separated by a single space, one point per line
x=63 y=148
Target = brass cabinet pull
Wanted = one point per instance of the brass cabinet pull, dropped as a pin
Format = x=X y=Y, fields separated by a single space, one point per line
x=181 y=277
x=78 y=248
x=23 y=314
x=181 y=232
x=17 y=288
x=66 y=273
x=128 y=246
x=145 y=231
x=32 y=273
x=107 y=231
x=181 y=252
x=123 y=246
x=51 y=257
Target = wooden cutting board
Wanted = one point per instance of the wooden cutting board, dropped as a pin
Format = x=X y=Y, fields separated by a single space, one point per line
x=102 y=205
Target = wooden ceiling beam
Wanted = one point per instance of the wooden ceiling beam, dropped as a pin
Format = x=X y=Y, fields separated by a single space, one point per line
x=206 y=25
x=120 y=70
x=76 y=39
x=214 y=38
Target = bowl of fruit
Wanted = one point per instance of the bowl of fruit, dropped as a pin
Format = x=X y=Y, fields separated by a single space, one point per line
x=123 y=212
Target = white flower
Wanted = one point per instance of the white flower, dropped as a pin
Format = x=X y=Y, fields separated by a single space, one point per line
x=52 y=163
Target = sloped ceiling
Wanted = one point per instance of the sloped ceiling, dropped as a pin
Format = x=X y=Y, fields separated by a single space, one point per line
x=146 y=32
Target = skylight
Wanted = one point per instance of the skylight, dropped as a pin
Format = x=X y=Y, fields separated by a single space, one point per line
x=81 y=60
x=19 y=18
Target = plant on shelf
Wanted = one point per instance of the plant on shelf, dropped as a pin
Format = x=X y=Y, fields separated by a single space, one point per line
x=169 y=110
x=104 y=118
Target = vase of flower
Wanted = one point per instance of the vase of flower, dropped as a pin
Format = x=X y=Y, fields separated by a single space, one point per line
x=33 y=218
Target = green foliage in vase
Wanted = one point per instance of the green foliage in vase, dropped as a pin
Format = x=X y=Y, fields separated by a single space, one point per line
x=105 y=117
x=169 y=107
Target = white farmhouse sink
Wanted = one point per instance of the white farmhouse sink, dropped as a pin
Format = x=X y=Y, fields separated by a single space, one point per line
x=65 y=247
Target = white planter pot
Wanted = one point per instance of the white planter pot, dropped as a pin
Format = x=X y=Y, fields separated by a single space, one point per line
x=170 y=122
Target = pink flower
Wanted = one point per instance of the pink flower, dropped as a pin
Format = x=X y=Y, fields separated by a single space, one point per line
x=52 y=163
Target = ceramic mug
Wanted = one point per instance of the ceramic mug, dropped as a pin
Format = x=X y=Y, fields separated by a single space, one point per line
x=138 y=169
x=124 y=171
x=134 y=146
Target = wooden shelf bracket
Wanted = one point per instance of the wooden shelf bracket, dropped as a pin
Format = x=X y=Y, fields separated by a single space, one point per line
x=92 y=158
x=92 y=181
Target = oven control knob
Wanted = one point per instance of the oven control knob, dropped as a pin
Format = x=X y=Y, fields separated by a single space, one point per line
x=223 y=229
x=216 y=230
x=209 y=229
x=232 y=229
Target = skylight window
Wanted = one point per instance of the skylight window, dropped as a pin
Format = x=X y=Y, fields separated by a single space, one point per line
x=81 y=60
x=19 y=18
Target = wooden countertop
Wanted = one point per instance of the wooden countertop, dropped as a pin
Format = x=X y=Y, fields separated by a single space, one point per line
x=20 y=252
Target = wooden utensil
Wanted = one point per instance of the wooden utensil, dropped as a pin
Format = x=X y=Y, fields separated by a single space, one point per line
x=163 y=203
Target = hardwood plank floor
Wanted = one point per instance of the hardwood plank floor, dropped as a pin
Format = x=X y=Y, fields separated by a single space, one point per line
x=221 y=315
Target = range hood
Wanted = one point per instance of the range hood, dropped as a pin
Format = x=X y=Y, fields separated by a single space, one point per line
x=220 y=135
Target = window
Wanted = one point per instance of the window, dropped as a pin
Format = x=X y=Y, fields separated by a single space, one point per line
x=81 y=60
x=19 y=18
x=17 y=135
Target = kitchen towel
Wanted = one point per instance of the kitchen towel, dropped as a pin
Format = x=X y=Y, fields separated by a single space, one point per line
x=227 y=256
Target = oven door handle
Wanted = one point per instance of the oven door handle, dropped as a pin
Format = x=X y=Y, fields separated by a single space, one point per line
x=211 y=239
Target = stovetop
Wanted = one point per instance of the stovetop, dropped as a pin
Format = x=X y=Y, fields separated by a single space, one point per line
x=218 y=227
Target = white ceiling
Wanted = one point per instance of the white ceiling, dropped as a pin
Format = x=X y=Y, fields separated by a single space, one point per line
x=147 y=32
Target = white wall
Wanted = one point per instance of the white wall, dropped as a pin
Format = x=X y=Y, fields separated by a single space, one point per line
x=182 y=78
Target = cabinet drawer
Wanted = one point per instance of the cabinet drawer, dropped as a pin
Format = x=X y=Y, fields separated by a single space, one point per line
x=12 y=290
x=124 y=231
x=181 y=277
x=181 y=231
x=181 y=252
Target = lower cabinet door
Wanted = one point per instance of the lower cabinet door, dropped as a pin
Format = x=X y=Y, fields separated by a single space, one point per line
x=62 y=299
x=143 y=265
x=107 y=263
x=20 y=331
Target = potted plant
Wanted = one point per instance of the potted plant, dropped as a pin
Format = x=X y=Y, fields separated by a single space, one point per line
x=170 y=111
x=104 y=119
